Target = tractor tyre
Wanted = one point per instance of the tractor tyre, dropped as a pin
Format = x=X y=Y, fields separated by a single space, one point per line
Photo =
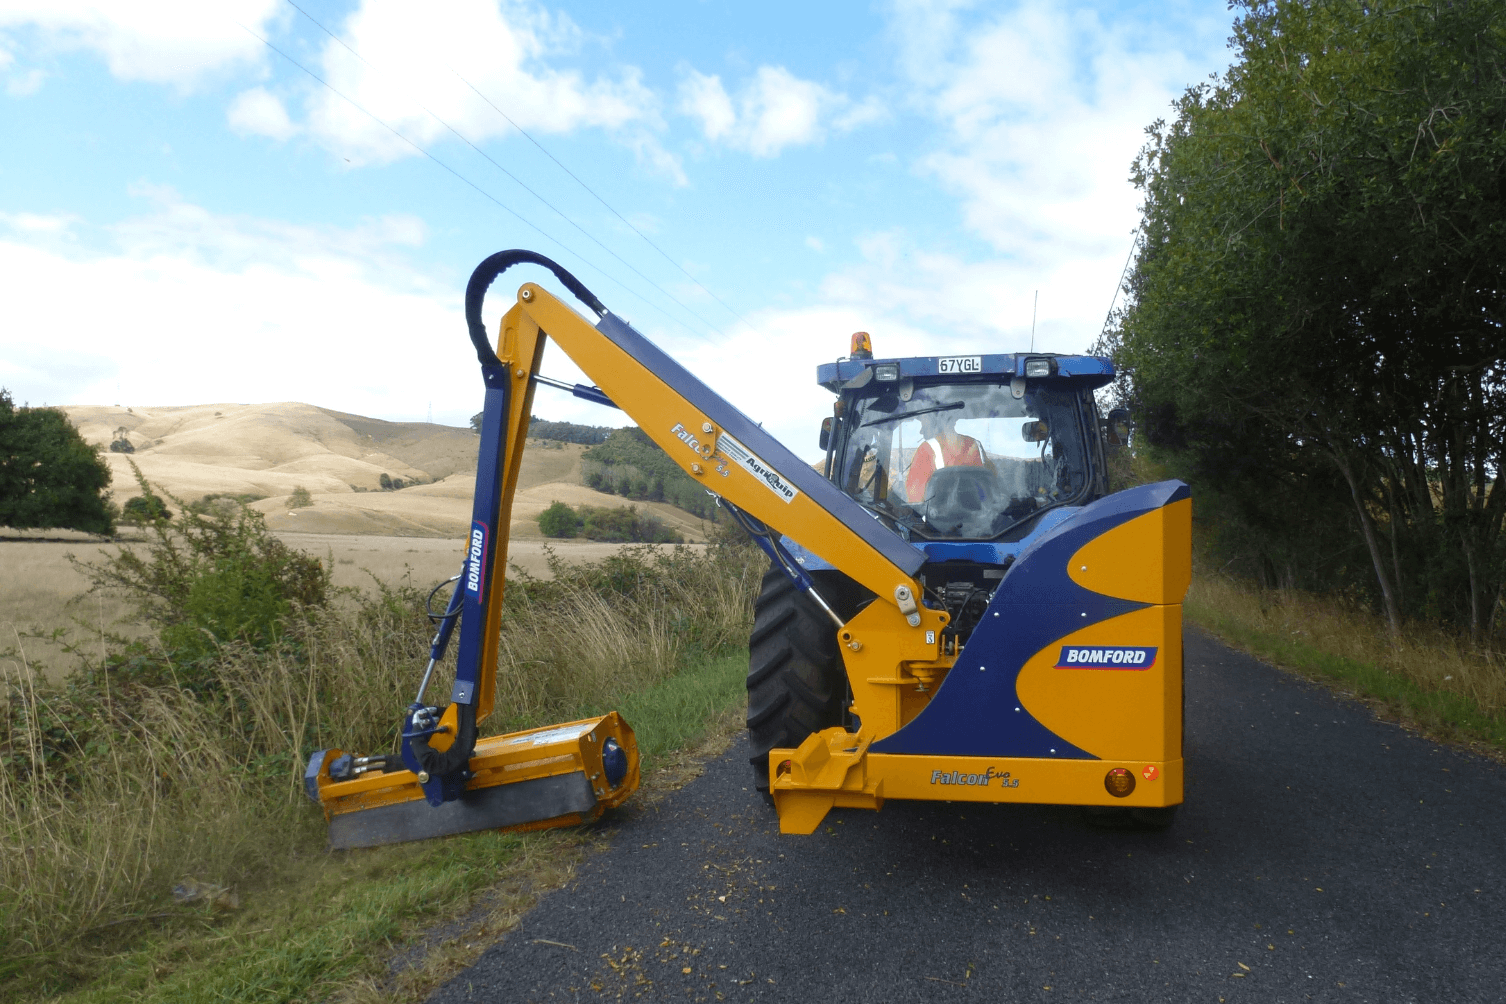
x=797 y=684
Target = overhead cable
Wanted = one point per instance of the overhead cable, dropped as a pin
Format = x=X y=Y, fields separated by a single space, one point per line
x=544 y=150
x=481 y=191
x=521 y=184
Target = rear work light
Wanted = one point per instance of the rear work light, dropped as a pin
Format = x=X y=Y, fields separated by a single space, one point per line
x=1039 y=367
x=886 y=373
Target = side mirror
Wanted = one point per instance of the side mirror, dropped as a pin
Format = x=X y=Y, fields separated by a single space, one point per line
x=826 y=425
x=1118 y=426
x=1035 y=431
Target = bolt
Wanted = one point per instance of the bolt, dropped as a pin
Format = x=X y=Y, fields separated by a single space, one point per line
x=696 y=468
x=707 y=427
x=423 y=777
x=527 y=294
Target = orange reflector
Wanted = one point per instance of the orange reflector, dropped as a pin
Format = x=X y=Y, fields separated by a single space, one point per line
x=862 y=346
x=1119 y=782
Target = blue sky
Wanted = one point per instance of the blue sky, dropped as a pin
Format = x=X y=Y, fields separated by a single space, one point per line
x=188 y=217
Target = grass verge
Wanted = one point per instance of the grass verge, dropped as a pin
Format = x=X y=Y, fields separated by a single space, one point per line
x=330 y=926
x=1427 y=680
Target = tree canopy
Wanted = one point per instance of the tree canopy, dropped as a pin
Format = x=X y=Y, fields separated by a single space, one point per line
x=49 y=477
x=1314 y=336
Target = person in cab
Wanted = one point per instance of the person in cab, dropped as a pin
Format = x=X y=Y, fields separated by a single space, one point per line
x=943 y=447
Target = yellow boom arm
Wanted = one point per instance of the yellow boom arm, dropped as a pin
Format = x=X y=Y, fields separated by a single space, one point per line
x=736 y=460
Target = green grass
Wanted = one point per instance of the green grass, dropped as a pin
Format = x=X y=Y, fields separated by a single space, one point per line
x=1426 y=680
x=325 y=926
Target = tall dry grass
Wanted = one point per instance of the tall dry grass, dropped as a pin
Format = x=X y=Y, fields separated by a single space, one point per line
x=1434 y=660
x=112 y=790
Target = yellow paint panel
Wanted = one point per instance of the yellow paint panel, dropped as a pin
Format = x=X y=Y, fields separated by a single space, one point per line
x=1115 y=714
x=1147 y=560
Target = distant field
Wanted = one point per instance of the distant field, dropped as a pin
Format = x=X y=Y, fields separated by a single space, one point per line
x=40 y=591
x=414 y=534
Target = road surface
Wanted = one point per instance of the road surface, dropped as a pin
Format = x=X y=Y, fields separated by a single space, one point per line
x=1321 y=855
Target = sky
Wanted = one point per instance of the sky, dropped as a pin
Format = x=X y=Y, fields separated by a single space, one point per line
x=222 y=201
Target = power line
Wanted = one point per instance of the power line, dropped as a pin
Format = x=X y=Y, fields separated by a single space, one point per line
x=1122 y=273
x=520 y=183
x=544 y=150
x=481 y=191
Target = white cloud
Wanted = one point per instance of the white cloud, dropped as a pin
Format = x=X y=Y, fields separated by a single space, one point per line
x=204 y=307
x=414 y=56
x=703 y=97
x=23 y=84
x=1041 y=110
x=37 y=223
x=177 y=42
x=774 y=110
x=258 y=112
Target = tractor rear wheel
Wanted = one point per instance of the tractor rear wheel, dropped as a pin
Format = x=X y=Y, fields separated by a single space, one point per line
x=797 y=684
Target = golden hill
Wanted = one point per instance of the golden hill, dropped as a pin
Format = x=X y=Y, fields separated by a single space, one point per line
x=269 y=449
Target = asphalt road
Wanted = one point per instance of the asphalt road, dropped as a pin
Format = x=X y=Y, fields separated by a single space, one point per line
x=1321 y=855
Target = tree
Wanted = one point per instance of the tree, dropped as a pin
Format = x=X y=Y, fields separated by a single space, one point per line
x=49 y=477
x=300 y=499
x=1315 y=333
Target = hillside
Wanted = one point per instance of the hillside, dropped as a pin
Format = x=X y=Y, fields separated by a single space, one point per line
x=269 y=449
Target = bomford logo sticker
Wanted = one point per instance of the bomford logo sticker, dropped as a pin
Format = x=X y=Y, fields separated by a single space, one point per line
x=1106 y=657
x=983 y=780
x=475 y=561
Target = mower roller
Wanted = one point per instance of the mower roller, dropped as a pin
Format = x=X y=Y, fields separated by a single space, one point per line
x=956 y=607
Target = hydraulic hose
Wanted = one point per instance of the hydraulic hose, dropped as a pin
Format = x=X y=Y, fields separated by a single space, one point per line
x=487 y=272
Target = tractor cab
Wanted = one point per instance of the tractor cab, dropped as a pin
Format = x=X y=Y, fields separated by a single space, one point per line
x=965 y=448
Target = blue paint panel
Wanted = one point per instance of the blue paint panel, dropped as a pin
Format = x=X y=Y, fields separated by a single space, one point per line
x=974 y=712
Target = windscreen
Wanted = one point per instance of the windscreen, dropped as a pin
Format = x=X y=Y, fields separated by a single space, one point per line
x=964 y=461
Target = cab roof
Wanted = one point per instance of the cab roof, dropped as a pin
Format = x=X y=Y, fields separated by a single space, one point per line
x=1086 y=372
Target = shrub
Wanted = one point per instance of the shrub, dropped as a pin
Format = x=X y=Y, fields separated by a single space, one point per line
x=146 y=508
x=219 y=576
x=300 y=499
x=559 y=520
x=385 y=481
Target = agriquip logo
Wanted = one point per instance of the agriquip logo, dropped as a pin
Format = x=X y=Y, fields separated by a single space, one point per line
x=1106 y=657
x=475 y=560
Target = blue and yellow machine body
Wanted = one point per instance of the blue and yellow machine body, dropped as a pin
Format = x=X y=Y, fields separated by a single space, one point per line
x=1065 y=688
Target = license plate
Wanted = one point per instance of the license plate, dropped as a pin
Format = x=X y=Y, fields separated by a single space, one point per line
x=959 y=364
